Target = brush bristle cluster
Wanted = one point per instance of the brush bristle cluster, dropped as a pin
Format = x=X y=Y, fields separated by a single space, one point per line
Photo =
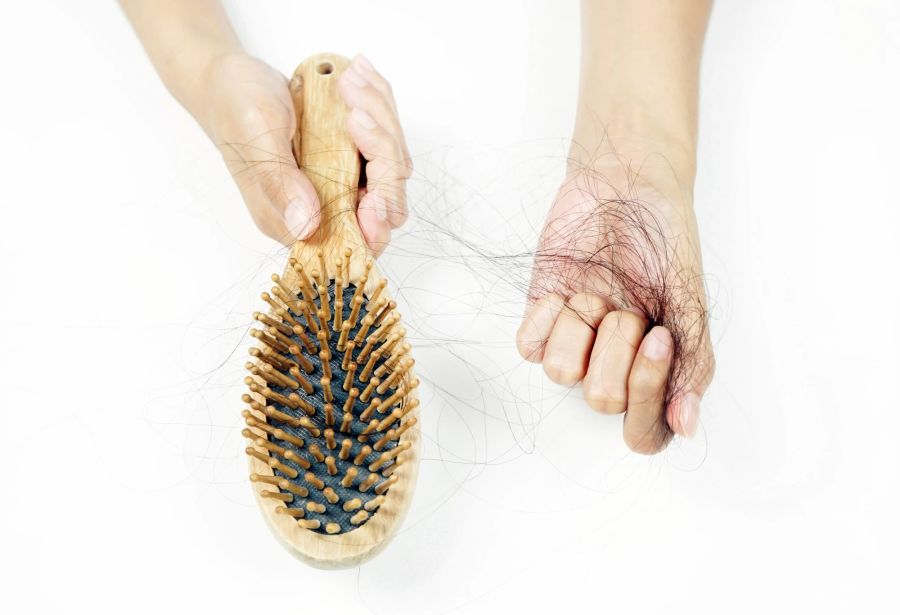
x=329 y=397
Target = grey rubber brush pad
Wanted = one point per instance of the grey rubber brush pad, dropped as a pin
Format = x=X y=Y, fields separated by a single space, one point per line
x=334 y=513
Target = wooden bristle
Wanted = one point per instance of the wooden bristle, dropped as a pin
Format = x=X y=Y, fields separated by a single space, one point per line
x=351 y=399
x=304 y=338
x=394 y=378
x=383 y=487
x=313 y=480
x=367 y=370
x=271 y=322
x=359 y=517
x=339 y=297
x=348 y=379
x=390 y=307
x=305 y=364
x=296 y=489
x=355 y=305
x=350 y=476
x=345 y=449
x=373 y=300
x=387 y=437
x=363 y=453
x=332 y=528
x=367 y=484
x=274 y=359
x=348 y=355
x=286 y=317
x=390 y=419
x=342 y=339
x=302 y=382
x=272 y=462
x=315 y=507
x=326 y=389
x=300 y=461
x=329 y=414
x=269 y=341
x=293 y=512
x=409 y=424
x=330 y=465
x=370 y=410
x=326 y=365
x=309 y=524
x=397 y=395
x=323 y=320
x=262 y=478
x=276 y=305
x=370 y=428
x=351 y=505
x=374 y=503
x=316 y=452
x=310 y=321
x=277 y=495
x=324 y=306
x=305 y=286
x=346 y=422
x=386 y=457
x=370 y=387
x=360 y=336
x=330 y=442
x=347 y=254
x=310 y=427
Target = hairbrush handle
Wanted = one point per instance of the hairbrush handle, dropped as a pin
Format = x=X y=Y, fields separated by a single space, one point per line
x=325 y=151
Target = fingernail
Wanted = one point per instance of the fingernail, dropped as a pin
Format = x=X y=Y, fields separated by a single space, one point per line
x=690 y=414
x=363 y=119
x=297 y=218
x=656 y=344
x=354 y=77
x=380 y=207
x=363 y=62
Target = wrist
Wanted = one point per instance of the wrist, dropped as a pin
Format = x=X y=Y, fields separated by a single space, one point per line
x=206 y=86
x=633 y=136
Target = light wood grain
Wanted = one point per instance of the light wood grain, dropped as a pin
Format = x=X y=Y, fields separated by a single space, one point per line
x=329 y=158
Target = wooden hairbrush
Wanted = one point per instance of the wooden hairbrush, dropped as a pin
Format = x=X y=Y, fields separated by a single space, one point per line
x=331 y=411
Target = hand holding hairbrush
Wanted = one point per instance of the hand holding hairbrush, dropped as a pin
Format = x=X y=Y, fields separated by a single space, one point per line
x=331 y=410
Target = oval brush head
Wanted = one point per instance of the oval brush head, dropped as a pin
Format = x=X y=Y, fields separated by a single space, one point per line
x=331 y=407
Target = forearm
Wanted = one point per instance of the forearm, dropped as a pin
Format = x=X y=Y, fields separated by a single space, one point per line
x=640 y=73
x=183 y=38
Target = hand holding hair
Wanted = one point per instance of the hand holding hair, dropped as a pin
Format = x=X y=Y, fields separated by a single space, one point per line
x=617 y=299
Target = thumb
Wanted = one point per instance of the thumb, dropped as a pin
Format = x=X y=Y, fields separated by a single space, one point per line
x=683 y=411
x=281 y=199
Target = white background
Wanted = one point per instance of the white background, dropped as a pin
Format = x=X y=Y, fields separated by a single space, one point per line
x=129 y=268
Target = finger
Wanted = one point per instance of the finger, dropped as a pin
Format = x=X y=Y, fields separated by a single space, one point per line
x=645 y=428
x=384 y=174
x=537 y=325
x=364 y=66
x=375 y=128
x=358 y=93
x=363 y=87
x=372 y=222
x=683 y=412
x=568 y=349
x=281 y=200
x=606 y=383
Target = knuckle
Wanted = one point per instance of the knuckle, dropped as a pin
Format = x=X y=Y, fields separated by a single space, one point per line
x=647 y=442
x=646 y=379
x=559 y=372
x=605 y=401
